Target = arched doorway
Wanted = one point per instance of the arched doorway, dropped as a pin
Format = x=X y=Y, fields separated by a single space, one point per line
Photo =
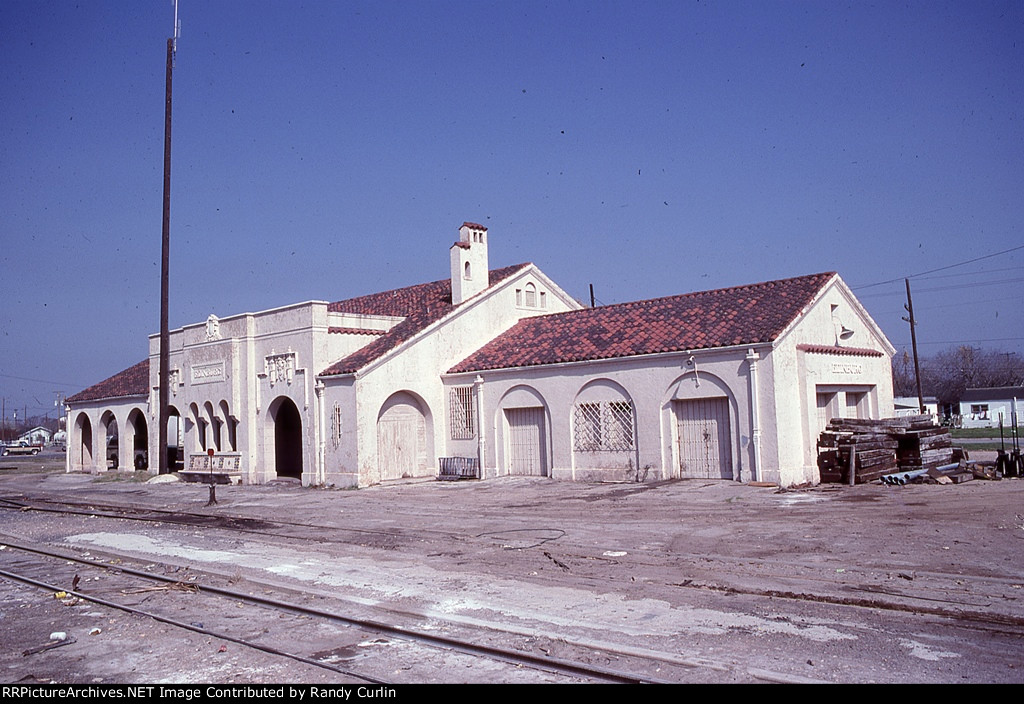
x=82 y=456
x=703 y=415
x=287 y=437
x=175 y=441
x=112 y=444
x=402 y=439
x=138 y=433
x=231 y=426
x=523 y=423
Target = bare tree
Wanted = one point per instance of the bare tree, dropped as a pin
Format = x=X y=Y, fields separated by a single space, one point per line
x=948 y=373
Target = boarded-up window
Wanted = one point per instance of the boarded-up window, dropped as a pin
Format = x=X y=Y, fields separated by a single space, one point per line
x=463 y=413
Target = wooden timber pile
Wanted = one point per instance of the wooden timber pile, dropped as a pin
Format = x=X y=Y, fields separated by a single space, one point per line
x=881 y=447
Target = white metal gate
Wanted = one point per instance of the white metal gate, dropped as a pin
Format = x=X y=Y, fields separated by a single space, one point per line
x=402 y=440
x=704 y=441
x=526 y=441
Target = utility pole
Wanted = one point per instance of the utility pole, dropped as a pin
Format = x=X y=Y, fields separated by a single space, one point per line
x=165 y=334
x=913 y=341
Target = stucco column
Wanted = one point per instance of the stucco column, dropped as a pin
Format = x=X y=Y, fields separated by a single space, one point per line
x=478 y=390
x=755 y=426
x=321 y=469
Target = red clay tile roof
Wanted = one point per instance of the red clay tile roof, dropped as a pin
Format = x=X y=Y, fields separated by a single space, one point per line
x=461 y=245
x=475 y=226
x=420 y=305
x=741 y=315
x=354 y=331
x=842 y=351
x=133 y=381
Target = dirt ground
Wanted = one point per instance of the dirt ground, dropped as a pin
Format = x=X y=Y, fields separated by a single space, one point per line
x=709 y=581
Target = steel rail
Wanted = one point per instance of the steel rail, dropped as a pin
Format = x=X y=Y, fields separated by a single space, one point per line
x=559 y=666
x=178 y=624
x=980 y=619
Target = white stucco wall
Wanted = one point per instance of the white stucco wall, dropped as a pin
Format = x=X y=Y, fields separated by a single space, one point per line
x=416 y=367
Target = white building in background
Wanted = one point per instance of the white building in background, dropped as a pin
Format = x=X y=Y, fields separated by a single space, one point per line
x=910 y=406
x=503 y=367
x=983 y=408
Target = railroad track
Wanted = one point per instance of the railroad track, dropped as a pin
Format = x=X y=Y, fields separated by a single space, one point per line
x=941 y=602
x=122 y=587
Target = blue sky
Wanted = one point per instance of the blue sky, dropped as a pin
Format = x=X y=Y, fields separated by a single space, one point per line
x=328 y=149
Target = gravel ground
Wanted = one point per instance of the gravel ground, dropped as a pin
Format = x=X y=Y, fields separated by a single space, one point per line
x=710 y=581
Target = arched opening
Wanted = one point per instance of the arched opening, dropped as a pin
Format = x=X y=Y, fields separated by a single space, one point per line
x=137 y=431
x=175 y=441
x=531 y=295
x=230 y=426
x=112 y=451
x=523 y=422
x=199 y=426
x=702 y=414
x=214 y=425
x=287 y=437
x=403 y=438
x=603 y=428
x=82 y=456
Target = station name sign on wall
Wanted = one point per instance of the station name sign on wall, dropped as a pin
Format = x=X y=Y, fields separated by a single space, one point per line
x=207 y=373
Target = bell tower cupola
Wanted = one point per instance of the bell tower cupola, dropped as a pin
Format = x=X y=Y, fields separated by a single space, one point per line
x=469 y=262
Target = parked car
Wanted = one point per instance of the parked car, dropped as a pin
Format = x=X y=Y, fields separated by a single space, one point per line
x=141 y=460
x=22 y=448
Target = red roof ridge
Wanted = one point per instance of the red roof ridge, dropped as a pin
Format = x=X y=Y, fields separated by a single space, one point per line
x=424 y=304
x=354 y=331
x=474 y=225
x=825 y=275
x=843 y=351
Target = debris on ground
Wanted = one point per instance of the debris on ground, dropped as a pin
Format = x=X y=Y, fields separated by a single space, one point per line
x=172 y=587
x=956 y=473
x=54 y=643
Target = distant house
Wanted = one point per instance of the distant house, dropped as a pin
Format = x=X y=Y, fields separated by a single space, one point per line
x=909 y=406
x=36 y=436
x=982 y=408
x=502 y=369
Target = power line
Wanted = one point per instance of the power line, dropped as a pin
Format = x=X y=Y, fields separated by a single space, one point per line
x=941 y=268
x=42 y=381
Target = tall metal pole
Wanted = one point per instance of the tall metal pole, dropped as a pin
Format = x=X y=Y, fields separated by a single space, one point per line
x=165 y=333
x=913 y=342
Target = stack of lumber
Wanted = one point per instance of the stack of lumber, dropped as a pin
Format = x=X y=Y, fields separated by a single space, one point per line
x=881 y=447
x=871 y=443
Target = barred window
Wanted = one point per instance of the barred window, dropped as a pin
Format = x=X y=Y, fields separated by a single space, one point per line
x=588 y=427
x=336 y=426
x=463 y=413
x=603 y=426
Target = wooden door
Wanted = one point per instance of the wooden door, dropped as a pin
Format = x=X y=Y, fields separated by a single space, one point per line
x=401 y=440
x=704 y=441
x=526 y=441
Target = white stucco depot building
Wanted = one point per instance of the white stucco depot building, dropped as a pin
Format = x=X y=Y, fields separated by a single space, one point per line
x=503 y=367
